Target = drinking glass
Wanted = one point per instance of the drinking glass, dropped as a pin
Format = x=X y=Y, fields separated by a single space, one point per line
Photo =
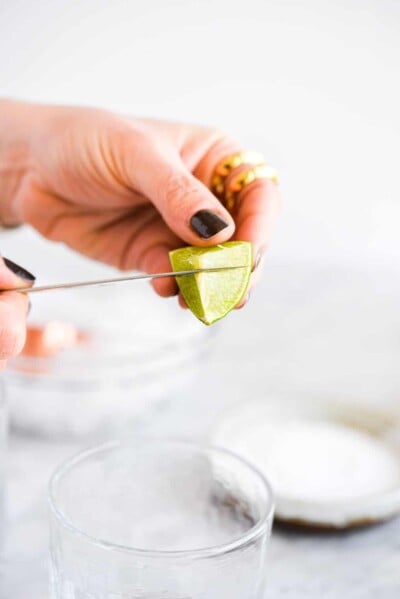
x=159 y=520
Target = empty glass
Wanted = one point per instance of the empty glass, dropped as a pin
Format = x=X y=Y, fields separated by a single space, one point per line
x=162 y=520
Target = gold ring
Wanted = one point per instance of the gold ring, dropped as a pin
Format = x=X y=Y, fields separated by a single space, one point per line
x=226 y=166
x=244 y=178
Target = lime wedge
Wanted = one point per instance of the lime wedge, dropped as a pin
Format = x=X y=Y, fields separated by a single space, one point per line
x=212 y=295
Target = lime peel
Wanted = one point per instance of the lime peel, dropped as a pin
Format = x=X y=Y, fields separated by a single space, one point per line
x=212 y=295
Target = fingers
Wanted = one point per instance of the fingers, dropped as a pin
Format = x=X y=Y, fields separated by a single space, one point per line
x=254 y=279
x=13 y=275
x=182 y=302
x=189 y=209
x=256 y=211
x=140 y=242
x=258 y=207
x=13 y=308
x=156 y=260
x=258 y=204
x=13 y=311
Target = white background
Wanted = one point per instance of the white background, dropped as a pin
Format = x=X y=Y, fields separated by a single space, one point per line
x=314 y=84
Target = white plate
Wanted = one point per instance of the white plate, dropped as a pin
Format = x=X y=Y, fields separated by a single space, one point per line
x=330 y=464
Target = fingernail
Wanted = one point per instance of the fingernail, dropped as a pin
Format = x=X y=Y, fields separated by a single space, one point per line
x=19 y=271
x=28 y=311
x=207 y=223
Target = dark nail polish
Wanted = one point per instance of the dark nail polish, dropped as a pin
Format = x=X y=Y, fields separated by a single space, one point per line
x=19 y=271
x=207 y=223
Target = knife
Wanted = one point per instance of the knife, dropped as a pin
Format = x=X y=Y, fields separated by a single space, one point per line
x=159 y=275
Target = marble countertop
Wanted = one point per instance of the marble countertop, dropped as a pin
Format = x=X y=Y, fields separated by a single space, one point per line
x=308 y=331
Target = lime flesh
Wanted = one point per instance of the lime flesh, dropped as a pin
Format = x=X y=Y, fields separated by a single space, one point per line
x=212 y=295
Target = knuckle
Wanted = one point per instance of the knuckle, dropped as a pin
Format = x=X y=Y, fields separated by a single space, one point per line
x=223 y=144
x=211 y=134
x=219 y=146
x=129 y=137
x=178 y=192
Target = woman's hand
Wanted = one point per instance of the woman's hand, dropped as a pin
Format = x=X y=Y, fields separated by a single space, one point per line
x=121 y=190
x=13 y=309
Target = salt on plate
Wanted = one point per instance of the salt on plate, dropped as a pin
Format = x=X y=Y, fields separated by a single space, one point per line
x=329 y=464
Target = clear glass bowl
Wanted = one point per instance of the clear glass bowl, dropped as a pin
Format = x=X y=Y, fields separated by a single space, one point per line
x=133 y=349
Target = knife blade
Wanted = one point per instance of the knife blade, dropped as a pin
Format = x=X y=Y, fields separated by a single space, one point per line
x=159 y=275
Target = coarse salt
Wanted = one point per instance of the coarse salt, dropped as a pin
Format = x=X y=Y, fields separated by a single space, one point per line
x=316 y=460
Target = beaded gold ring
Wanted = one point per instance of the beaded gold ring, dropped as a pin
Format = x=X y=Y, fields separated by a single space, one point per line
x=244 y=178
x=227 y=165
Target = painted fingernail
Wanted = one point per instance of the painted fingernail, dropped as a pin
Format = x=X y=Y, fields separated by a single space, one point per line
x=207 y=223
x=19 y=271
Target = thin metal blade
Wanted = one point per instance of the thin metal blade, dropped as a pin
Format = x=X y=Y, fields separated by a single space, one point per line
x=159 y=275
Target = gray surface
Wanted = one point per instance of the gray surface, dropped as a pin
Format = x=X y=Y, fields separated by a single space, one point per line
x=308 y=331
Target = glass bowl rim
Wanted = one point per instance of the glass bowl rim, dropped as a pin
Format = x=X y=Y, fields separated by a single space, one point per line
x=253 y=533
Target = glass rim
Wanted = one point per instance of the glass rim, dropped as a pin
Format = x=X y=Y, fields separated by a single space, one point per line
x=202 y=552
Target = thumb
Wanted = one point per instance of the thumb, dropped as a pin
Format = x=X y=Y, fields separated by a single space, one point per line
x=189 y=209
x=13 y=308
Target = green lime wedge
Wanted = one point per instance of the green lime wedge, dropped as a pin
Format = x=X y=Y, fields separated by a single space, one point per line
x=212 y=295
